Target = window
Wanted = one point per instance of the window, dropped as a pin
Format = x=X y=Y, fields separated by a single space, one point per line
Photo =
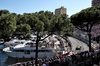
x=32 y=50
x=17 y=42
x=21 y=50
x=47 y=50
x=41 y=50
x=22 y=42
x=27 y=51
x=16 y=50
x=28 y=44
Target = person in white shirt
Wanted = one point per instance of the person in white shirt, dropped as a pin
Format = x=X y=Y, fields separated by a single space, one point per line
x=58 y=59
x=43 y=64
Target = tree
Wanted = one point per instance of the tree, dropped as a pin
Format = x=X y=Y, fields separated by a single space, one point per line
x=39 y=27
x=4 y=12
x=7 y=25
x=23 y=30
x=87 y=18
x=20 y=19
x=61 y=25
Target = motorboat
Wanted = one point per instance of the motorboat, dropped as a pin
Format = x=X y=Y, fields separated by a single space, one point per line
x=28 y=50
x=13 y=42
x=1 y=44
x=1 y=47
x=1 y=41
x=33 y=37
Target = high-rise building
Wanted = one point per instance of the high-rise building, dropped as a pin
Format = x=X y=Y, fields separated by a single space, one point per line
x=95 y=2
x=60 y=11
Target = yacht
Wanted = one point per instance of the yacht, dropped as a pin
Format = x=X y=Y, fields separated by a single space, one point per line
x=1 y=47
x=1 y=41
x=1 y=44
x=28 y=50
x=13 y=42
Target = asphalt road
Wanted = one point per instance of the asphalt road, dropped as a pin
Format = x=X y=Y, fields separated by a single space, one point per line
x=75 y=42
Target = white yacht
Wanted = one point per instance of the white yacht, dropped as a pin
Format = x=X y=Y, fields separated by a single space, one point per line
x=14 y=42
x=1 y=41
x=1 y=44
x=28 y=50
x=1 y=47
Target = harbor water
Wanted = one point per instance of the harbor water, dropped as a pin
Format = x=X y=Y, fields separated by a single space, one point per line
x=7 y=61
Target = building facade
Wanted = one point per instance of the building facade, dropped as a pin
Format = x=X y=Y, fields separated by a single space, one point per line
x=95 y=2
x=60 y=11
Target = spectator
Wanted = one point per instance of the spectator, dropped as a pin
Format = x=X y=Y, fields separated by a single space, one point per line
x=47 y=63
x=43 y=64
x=61 y=60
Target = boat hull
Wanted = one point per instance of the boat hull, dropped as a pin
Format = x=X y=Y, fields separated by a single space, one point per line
x=29 y=54
x=1 y=47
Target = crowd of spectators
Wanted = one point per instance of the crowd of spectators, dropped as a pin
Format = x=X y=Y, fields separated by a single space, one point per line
x=49 y=42
x=94 y=32
x=65 y=60
x=49 y=61
x=56 y=42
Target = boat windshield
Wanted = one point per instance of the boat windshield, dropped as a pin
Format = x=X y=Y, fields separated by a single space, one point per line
x=43 y=51
x=20 y=50
x=30 y=44
x=19 y=42
x=1 y=40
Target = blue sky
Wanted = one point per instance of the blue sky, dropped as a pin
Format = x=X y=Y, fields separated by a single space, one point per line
x=31 y=6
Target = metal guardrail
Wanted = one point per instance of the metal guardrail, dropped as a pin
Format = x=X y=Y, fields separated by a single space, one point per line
x=81 y=39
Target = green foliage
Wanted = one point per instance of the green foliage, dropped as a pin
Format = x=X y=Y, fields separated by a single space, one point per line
x=7 y=25
x=43 y=21
x=4 y=12
x=87 y=16
x=24 y=30
x=20 y=19
x=23 y=27
x=39 y=26
x=61 y=25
